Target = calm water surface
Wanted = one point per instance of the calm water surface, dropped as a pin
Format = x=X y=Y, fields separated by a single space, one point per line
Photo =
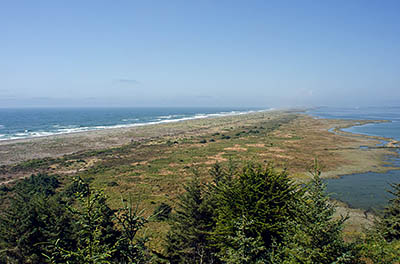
x=365 y=190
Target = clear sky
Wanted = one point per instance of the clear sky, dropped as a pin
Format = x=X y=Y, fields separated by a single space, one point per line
x=200 y=53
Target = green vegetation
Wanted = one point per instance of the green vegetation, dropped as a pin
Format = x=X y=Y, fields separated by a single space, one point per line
x=257 y=215
x=41 y=225
x=188 y=239
x=381 y=244
x=253 y=214
x=229 y=214
x=314 y=236
x=390 y=223
x=162 y=212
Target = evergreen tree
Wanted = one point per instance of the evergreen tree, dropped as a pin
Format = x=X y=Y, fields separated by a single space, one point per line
x=40 y=226
x=130 y=248
x=188 y=240
x=38 y=184
x=34 y=218
x=314 y=236
x=389 y=225
x=263 y=196
x=377 y=250
x=382 y=243
x=245 y=249
x=162 y=212
x=96 y=235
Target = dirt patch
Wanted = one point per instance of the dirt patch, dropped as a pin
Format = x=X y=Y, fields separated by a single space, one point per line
x=155 y=166
x=138 y=163
x=215 y=159
x=165 y=172
x=283 y=135
x=257 y=145
x=236 y=148
x=274 y=156
x=275 y=149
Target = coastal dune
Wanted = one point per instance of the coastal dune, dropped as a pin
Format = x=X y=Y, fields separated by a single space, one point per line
x=153 y=161
x=288 y=138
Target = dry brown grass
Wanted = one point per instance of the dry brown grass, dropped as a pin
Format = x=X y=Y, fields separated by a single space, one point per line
x=160 y=161
x=236 y=148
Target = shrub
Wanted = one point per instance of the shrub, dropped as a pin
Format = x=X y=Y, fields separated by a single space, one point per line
x=112 y=184
x=39 y=183
x=162 y=212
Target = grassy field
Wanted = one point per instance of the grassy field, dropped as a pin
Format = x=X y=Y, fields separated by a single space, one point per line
x=150 y=164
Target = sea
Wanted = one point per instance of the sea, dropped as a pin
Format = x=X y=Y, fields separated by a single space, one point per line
x=21 y=123
x=362 y=190
x=369 y=190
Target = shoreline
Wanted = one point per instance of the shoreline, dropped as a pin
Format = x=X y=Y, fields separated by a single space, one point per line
x=359 y=218
x=154 y=161
x=386 y=143
x=344 y=146
x=372 y=143
x=112 y=136
x=129 y=126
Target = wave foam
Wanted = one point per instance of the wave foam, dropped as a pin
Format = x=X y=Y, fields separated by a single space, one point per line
x=159 y=120
x=129 y=119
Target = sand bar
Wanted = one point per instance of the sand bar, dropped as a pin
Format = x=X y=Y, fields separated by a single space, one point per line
x=288 y=138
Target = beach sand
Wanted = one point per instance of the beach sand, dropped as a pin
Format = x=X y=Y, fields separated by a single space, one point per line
x=292 y=144
x=151 y=163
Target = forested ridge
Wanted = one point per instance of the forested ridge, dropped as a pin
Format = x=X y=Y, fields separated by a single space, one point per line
x=246 y=214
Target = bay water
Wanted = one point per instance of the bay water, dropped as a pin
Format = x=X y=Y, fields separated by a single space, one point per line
x=365 y=190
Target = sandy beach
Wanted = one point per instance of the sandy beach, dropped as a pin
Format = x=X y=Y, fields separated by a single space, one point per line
x=151 y=163
x=294 y=135
x=18 y=150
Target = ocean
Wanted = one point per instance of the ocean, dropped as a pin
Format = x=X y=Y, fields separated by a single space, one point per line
x=365 y=190
x=38 y=122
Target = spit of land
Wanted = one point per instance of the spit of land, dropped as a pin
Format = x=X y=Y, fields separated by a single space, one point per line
x=151 y=163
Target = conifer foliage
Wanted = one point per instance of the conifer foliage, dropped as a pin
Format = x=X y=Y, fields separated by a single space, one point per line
x=382 y=243
x=94 y=227
x=264 y=196
x=314 y=236
x=43 y=226
x=250 y=215
x=390 y=223
x=258 y=215
x=33 y=219
x=189 y=238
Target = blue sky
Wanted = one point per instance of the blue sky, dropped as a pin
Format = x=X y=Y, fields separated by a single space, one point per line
x=200 y=53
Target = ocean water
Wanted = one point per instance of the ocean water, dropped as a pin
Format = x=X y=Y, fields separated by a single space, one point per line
x=365 y=190
x=390 y=129
x=39 y=122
